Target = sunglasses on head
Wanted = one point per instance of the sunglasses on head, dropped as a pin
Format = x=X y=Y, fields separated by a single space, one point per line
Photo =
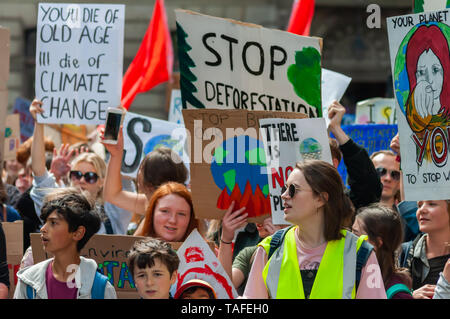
x=89 y=177
x=395 y=175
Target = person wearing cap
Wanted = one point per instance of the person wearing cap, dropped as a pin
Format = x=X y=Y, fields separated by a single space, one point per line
x=195 y=289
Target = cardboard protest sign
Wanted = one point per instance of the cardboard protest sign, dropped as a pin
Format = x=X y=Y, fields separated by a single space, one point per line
x=334 y=85
x=420 y=62
x=21 y=107
x=287 y=142
x=231 y=166
x=373 y=137
x=430 y=5
x=111 y=253
x=4 y=57
x=144 y=134
x=176 y=107
x=79 y=57
x=12 y=136
x=14 y=251
x=376 y=111
x=198 y=261
x=234 y=65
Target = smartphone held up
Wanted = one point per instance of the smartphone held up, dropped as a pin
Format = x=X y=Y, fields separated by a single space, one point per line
x=112 y=126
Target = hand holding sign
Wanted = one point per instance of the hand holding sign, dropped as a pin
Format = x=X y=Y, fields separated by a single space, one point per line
x=36 y=108
x=232 y=220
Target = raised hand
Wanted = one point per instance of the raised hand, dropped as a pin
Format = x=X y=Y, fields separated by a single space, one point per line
x=232 y=220
x=114 y=149
x=36 y=108
x=60 y=165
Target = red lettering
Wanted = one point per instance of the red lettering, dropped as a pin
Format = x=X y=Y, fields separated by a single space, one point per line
x=421 y=146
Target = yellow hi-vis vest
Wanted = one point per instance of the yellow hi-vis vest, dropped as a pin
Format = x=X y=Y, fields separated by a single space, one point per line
x=335 y=277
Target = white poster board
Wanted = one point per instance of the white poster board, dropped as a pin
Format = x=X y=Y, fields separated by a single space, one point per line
x=334 y=85
x=79 y=57
x=419 y=50
x=287 y=142
x=175 y=114
x=143 y=134
x=376 y=111
x=233 y=65
x=197 y=261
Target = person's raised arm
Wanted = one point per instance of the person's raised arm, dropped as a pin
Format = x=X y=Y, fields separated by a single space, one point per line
x=113 y=191
x=38 y=146
x=363 y=179
x=231 y=221
x=335 y=113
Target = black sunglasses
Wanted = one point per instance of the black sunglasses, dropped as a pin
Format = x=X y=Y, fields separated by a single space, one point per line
x=89 y=177
x=292 y=190
x=395 y=175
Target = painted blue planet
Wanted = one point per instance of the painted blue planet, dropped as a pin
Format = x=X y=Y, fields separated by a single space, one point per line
x=163 y=140
x=310 y=148
x=239 y=170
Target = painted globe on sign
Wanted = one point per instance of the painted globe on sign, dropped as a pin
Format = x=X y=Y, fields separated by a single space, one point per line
x=163 y=140
x=239 y=169
x=310 y=148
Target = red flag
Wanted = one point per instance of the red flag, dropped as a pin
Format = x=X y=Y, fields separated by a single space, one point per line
x=153 y=62
x=301 y=17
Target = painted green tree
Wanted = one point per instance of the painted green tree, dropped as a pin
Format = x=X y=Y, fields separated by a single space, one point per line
x=418 y=6
x=186 y=76
x=305 y=77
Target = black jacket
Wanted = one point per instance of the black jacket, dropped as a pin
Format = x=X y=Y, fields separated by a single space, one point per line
x=363 y=179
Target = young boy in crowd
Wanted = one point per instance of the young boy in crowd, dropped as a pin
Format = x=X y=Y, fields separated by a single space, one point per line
x=69 y=222
x=154 y=267
x=196 y=289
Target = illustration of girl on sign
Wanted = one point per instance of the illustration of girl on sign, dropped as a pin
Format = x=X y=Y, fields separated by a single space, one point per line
x=428 y=104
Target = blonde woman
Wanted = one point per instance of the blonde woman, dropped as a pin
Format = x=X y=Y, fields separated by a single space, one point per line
x=86 y=171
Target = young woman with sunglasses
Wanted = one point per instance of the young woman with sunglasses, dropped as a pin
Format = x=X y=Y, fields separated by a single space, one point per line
x=86 y=171
x=317 y=257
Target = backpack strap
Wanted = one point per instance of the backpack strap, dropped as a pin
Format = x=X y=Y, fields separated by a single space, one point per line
x=394 y=289
x=99 y=285
x=30 y=292
x=277 y=239
x=361 y=259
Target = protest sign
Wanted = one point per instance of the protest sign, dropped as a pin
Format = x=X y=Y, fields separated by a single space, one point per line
x=287 y=142
x=144 y=134
x=333 y=88
x=376 y=111
x=373 y=137
x=198 y=261
x=419 y=50
x=21 y=107
x=235 y=65
x=232 y=165
x=79 y=57
x=111 y=253
x=175 y=114
x=12 y=136
x=14 y=251
x=430 y=5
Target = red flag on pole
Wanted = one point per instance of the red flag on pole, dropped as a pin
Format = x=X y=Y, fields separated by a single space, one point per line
x=301 y=17
x=153 y=62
